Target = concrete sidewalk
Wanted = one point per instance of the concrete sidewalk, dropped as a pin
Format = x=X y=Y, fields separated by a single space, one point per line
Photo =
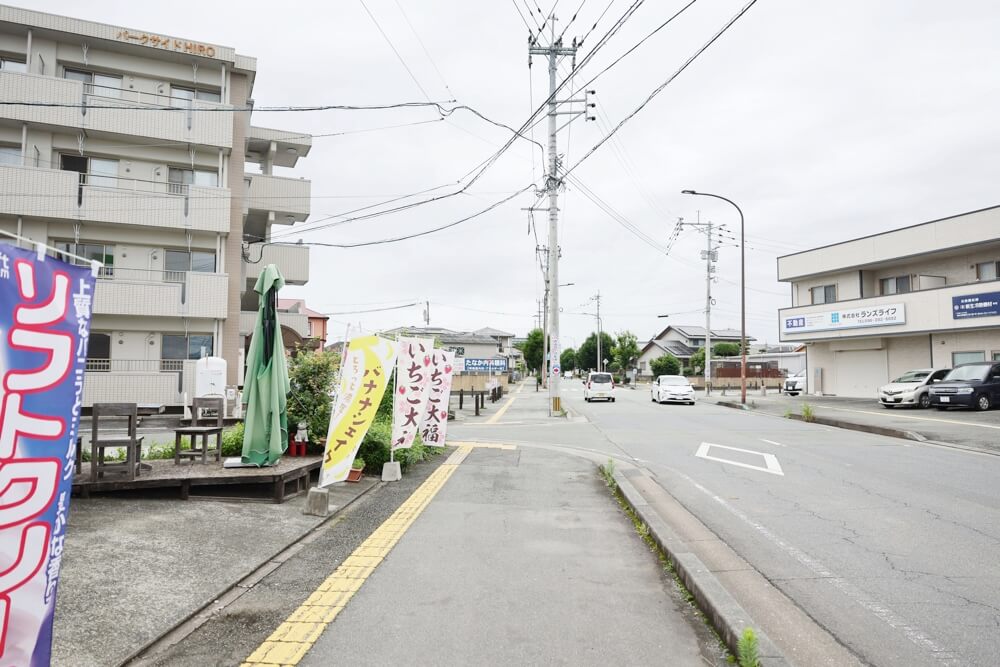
x=136 y=566
x=523 y=557
x=965 y=428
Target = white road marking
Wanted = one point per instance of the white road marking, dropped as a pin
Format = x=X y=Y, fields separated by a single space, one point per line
x=771 y=442
x=888 y=616
x=770 y=460
x=922 y=419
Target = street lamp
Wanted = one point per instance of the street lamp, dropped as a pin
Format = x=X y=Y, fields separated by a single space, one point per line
x=743 y=293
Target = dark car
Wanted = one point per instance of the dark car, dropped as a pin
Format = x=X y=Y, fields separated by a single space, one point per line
x=975 y=385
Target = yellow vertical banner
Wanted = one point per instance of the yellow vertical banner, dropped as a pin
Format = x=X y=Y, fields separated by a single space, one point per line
x=367 y=365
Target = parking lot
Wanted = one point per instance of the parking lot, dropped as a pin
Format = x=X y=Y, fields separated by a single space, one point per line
x=955 y=426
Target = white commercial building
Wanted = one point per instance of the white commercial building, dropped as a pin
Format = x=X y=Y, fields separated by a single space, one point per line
x=129 y=147
x=918 y=297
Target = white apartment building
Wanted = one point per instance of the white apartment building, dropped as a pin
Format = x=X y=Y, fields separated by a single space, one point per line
x=130 y=147
x=918 y=297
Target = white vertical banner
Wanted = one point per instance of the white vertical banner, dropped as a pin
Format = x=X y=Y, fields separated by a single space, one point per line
x=413 y=379
x=434 y=426
x=368 y=362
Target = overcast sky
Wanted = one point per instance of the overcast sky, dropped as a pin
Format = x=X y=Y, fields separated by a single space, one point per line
x=823 y=120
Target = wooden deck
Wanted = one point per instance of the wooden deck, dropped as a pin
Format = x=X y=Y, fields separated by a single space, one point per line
x=290 y=477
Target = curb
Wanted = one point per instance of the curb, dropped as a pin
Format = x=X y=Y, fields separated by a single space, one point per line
x=199 y=616
x=725 y=613
x=840 y=423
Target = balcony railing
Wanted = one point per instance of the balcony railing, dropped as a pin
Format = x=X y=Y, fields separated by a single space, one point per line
x=135 y=365
x=68 y=195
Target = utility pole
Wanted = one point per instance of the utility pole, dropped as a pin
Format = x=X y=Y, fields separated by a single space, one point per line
x=710 y=256
x=600 y=357
x=427 y=313
x=553 y=52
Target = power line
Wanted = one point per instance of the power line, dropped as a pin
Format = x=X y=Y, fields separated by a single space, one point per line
x=670 y=80
x=425 y=232
x=376 y=310
x=391 y=46
x=422 y=46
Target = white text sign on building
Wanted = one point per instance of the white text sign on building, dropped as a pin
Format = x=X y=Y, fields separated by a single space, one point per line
x=887 y=314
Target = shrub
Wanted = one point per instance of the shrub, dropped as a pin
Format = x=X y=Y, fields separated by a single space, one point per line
x=359 y=464
x=668 y=364
x=311 y=375
x=232 y=440
x=374 y=449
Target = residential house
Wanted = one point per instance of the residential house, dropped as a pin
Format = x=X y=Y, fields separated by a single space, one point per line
x=682 y=341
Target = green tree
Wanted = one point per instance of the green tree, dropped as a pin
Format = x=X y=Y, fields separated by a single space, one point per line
x=725 y=350
x=668 y=364
x=532 y=350
x=626 y=350
x=586 y=354
x=311 y=375
x=696 y=364
x=568 y=359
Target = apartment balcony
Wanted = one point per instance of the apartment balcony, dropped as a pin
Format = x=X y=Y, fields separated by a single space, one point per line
x=277 y=148
x=143 y=381
x=96 y=109
x=68 y=195
x=297 y=322
x=291 y=260
x=285 y=201
x=144 y=293
x=924 y=311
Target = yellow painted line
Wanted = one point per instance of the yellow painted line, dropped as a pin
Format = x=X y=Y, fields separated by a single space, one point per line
x=291 y=640
x=484 y=445
x=899 y=416
x=501 y=411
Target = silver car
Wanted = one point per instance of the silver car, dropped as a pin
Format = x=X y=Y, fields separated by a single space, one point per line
x=912 y=388
x=672 y=389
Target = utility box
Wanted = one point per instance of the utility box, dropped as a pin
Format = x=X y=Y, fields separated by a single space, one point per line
x=817 y=384
x=210 y=377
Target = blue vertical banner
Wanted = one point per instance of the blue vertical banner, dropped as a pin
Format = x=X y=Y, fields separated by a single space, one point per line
x=45 y=308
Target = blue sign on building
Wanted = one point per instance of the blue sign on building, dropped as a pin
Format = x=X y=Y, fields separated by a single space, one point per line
x=486 y=365
x=975 y=305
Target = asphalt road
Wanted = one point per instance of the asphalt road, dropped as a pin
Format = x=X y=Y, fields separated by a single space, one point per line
x=888 y=544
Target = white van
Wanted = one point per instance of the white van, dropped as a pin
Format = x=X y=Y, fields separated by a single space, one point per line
x=599 y=386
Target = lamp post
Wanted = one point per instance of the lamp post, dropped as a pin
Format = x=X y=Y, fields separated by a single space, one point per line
x=743 y=293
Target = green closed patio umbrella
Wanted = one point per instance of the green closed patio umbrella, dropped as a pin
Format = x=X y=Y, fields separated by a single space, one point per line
x=265 y=390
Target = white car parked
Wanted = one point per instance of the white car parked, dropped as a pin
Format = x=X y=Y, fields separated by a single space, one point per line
x=599 y=386
x=672 y=389
x=912 y=388
x=795 y=384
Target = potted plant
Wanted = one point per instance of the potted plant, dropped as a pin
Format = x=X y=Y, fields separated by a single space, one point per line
x=356 y=469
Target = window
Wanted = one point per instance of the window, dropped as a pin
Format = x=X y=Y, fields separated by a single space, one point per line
x=10 y=155
x=93 y=171
x=180 y=348
x=11 y=65
x=99 y=352
x=178 y=262
x=102 y=252
x=996 y=356
x=179 y=179
x=193 y=94
x=824 y=294
x=987 y=270
x=105 y=85
x=309 y=328
x=966 y=357
x=896 y=285
x=103 y=173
